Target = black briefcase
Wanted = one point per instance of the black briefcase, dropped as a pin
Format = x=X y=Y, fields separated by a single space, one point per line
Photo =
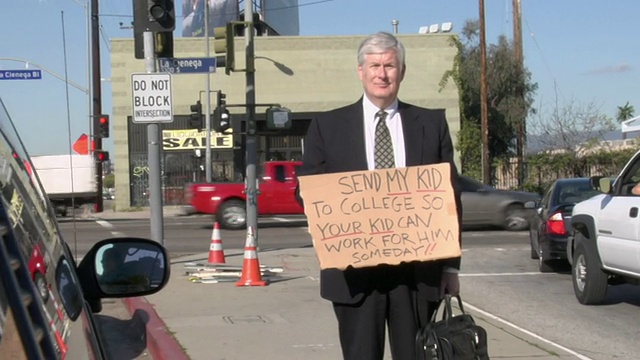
x=454 y=337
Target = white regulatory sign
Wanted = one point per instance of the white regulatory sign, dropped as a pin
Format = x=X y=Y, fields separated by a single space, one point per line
x=152 y=97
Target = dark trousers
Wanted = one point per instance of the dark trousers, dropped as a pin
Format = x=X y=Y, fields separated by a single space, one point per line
x=362 y=326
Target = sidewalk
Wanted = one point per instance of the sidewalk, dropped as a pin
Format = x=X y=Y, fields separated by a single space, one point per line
x=285 y=320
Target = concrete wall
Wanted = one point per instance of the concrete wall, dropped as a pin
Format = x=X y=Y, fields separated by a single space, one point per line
x=301 y=73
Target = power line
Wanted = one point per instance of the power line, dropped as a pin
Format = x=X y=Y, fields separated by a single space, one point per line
x=544 y=60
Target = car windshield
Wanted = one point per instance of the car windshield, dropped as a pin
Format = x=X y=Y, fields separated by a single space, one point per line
x=574 y=192
x=468 y=184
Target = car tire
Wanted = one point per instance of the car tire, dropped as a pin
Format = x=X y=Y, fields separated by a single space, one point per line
x=42 y=286
x=232 y=215
x=589 y=281
x=515 y=218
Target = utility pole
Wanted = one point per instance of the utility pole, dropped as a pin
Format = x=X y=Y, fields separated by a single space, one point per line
x=207 y=107
x=251 y=181
x=520 y=106
x=97 y=96
x=486 y=168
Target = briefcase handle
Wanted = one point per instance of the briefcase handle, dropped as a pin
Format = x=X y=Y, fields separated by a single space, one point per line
x=448 y=313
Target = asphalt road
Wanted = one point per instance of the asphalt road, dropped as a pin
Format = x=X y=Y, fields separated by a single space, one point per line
x=498 y=277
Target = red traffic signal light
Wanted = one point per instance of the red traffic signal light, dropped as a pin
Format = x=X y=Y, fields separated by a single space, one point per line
x=101 y=155
x=102 y=125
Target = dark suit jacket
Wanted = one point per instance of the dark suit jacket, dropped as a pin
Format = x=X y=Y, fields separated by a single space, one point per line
x=335 y=143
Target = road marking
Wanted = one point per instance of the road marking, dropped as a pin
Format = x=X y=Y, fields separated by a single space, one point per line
x=108 y=225
x=281 y=219
x=494 y=233
x=104 y=224
x=502 y=274
x=536 y=336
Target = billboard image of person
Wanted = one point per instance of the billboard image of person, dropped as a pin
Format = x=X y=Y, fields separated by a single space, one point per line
x=220 y=12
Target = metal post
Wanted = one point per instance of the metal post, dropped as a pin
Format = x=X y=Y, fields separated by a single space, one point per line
x=207 y=108
x=88 y=24
x=97 y=96
x=153 y=148
x=395 y=23
x=251 y=148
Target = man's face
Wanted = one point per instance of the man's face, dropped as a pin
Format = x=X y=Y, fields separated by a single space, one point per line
x=381 y=75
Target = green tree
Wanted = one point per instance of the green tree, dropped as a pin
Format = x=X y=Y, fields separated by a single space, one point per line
x=625 y=112
x=505 y=109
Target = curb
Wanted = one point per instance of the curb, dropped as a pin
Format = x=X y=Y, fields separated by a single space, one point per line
x=161 y=345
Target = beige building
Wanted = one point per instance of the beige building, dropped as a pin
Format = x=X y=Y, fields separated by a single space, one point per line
x=304 y=74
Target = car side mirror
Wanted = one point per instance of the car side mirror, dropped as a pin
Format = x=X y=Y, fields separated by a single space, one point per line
x=123 y=267
x=600 y=183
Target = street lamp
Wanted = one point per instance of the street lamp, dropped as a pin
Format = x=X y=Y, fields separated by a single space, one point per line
x=87 y=11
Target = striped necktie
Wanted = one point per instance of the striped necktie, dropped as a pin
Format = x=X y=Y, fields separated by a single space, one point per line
x=383 y=151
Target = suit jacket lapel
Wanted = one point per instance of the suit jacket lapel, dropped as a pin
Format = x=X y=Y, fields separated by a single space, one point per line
x=413 y=135
x=354 y=126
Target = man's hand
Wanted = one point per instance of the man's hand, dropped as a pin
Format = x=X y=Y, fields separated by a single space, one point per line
x=449 y=283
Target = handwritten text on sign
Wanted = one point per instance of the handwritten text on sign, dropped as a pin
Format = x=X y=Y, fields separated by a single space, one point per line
x=389 y=216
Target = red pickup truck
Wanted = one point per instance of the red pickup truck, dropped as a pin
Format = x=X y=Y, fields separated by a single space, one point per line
x=227 y=201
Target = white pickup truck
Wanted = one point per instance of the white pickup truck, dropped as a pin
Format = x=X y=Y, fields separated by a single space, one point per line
x=65 y=192
x=605 y=248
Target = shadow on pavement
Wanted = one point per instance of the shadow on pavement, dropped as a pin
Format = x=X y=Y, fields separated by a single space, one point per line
x=125 y=339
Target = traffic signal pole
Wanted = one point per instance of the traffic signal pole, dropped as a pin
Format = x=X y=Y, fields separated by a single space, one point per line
x=207 y=116
x=97 y=98
x=153 y=149
x=251 y=181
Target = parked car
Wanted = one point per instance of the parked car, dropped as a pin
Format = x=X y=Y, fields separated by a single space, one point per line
x=550 y=226
x=605 y=248
x=47 y=301
x=484 y=205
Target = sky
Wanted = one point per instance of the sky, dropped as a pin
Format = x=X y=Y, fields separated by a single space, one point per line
x=578 y=51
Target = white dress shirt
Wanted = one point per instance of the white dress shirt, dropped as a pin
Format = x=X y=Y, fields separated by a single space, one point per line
x=394 y=123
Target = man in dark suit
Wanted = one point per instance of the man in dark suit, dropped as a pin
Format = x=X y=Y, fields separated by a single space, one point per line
x=352 y=138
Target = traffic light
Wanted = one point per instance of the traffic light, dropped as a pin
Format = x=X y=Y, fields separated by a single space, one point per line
x=278 y=118
x=222 y=99
x=101 y=155
x=102 y=124
x=157 y=16
x=163 y=44
x=196 y=119
x=223 y=44
x=153 y=15
x=221 y=119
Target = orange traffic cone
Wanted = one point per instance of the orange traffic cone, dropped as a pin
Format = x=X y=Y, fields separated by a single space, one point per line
x=250 y=267
x=62 y=346
x=216 y=254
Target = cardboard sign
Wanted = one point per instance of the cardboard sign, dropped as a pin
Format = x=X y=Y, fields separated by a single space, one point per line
x=367 y=218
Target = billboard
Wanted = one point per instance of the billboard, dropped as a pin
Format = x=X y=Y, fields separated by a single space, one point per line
x=220 y=12
x=281 y=15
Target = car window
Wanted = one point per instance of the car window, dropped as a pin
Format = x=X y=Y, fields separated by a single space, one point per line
x=472 y=185
x=279 y=172
x=32 y=221
x=575 y=192
x=546 y=199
